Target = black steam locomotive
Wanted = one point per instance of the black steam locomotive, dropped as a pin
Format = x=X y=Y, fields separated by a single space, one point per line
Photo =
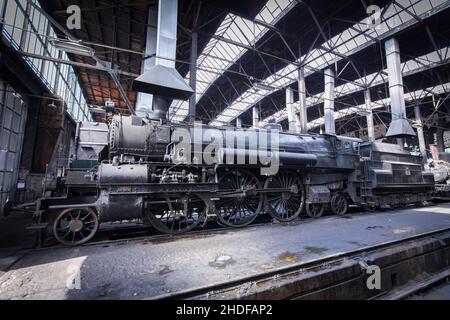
x=136 y=168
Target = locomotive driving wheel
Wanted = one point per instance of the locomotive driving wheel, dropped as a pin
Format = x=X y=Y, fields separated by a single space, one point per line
x=285 y=206
x=339 y=204
x=242 y=204
x=75 y=226
x=315 y=210
x=176 y=213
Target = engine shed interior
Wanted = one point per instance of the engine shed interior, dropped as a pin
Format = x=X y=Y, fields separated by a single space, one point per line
x=170 y=123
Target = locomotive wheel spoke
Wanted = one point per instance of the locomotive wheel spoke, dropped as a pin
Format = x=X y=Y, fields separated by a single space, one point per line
x=177 y=217
x=339 y=204
x=285 y=206
x=243 y=210
x=315 y=210
x=75 y=226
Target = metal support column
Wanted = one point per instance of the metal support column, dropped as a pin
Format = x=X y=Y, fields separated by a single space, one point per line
x=255 y=116
x=25 y=24
x=302 y=100
x=369 y=116
x=3 y=6
x=330 y=126
x=238 y=123
x=144 y=104
x=58 y=72
x=292 y=117
x=440 y=134
x=420 y=135
x=193 y=77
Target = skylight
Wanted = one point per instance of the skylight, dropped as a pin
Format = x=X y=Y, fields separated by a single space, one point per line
x=410 y=67
x=356 y=38
x=219 y=55
x=409 y=97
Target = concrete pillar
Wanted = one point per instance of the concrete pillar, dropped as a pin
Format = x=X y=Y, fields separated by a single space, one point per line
x=193 y=77
x=292 y=117
x=420 y=134
x=369 y=116
x=399 y=126
x=144 y=103
x=238 y=123
x=302 y=100
x=330 y=127
x=255 y=116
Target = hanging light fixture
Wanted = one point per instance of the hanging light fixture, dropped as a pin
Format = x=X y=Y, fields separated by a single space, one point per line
x=74 y=47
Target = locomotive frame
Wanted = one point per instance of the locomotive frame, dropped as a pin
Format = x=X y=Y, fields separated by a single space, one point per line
x=127 y=171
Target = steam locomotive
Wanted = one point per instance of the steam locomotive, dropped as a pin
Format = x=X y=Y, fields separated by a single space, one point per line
x=137 y=168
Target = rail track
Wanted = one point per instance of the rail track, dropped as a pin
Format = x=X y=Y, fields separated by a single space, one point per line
x=262 y=285
x=113 y=233
x=133 y=232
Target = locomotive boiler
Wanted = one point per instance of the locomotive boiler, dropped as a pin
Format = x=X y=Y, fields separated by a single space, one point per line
x=174 y=177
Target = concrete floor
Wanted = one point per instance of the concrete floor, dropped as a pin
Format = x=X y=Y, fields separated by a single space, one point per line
x=139 y=269
x=14 y=238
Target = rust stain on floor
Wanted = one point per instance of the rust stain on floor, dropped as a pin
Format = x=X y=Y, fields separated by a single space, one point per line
x=288 y=257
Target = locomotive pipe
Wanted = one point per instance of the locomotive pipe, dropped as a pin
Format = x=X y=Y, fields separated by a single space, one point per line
x=265 y=157
x=298 y=158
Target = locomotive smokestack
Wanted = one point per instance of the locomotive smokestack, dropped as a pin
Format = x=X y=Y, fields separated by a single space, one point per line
x=399 y=126
x=163 y=80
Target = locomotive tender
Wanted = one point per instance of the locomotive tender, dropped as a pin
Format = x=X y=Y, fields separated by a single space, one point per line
x=137 y=168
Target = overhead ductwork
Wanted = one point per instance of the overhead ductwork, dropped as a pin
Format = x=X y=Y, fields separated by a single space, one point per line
x=162 y=80
x=399 y=127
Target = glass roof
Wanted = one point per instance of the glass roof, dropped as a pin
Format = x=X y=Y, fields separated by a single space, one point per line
x=409 y=97
x=410 y=67
x=355 y=38
x=219 y=55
